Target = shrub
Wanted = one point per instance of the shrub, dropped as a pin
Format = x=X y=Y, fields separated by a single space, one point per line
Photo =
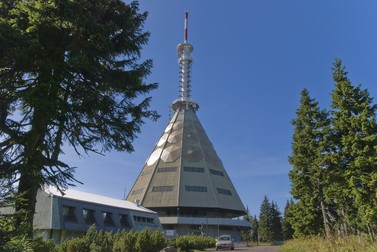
x=74 y=245
x=183 y=243
x=203 y=242
x=99 y=241
x=125 y=242
x=188 y=243
x=158 y=240
x=40 y=245
x=18 y=244
x=148 y=241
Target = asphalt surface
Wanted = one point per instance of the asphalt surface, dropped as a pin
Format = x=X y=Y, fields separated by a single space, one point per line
x=260 y=249
x=255 y=249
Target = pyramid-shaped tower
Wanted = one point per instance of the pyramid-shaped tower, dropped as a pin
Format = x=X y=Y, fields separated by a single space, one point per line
x=184 y=179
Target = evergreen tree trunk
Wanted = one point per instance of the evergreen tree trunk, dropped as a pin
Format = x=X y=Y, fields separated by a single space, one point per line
x=31 y=172
x=370 y=232
x=26 y=206
x=326 y=222
x=322 y=203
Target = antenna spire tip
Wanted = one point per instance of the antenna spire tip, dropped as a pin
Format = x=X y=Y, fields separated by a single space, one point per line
x=186 y=27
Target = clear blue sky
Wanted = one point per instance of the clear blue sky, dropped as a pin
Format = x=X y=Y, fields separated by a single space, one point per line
x=251 y=60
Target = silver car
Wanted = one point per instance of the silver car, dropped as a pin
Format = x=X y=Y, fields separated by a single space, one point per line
x=224 y=242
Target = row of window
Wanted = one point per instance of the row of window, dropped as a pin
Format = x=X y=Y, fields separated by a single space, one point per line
x=193 y=169
x=216 y=172
x=162 y=188
x=190 y=188
x=196 y=188
x=143 y=219
x=185 y=168
x=69 y=215
x=224 y=191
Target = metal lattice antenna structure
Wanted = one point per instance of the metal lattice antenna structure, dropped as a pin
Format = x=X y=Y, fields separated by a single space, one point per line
x=184 y=60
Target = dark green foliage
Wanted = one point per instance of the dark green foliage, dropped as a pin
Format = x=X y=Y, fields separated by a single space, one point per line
x=184 y=243
x=265 y=220
x=255 y=229
x=287 y=229
x=270 y=229
x=144 y=241
x=334 y=158
x=19 y=242
x=99 y=241
x=74 y=245
x=308 y=176
x=276 y=228
x=189 y=243
x=309 y=223
x=354 y=162
x=148 y=241
x=14 y=237
x=203 y=242
x=158 y=240
x=69 y=73
x=126 y=242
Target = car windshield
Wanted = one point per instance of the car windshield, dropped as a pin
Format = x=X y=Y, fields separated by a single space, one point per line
x=224 y=238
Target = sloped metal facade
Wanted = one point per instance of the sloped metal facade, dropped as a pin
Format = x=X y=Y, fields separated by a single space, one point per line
x=184 y=171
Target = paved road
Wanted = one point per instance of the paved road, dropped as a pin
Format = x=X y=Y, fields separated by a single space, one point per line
x=261 y=249
x=255 y=249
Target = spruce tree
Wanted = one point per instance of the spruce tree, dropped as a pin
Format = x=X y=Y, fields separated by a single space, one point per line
x=276 y=226
x=309 y=176
x=70 y=72
x=255 y=229
x=265 y=232
x=354 y=162
x=270 y=229
x=287 y=229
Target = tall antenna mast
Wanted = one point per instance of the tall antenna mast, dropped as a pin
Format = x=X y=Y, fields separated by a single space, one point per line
x=184 y=60
x=186 y=28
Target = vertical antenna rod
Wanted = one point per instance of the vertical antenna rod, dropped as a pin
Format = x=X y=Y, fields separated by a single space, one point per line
x=186 y=28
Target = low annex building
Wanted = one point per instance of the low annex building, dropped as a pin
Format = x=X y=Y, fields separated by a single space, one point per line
x=60 y=217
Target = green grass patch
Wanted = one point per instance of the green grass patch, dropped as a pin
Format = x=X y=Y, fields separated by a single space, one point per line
x=339 y=244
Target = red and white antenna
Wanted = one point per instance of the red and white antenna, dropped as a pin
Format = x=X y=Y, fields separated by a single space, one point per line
x=184 y=60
